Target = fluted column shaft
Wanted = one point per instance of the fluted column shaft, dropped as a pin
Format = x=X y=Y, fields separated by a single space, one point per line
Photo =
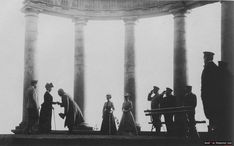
x=227 y=33
x=227 y=55
x=129 y=62
x=79 y=65
x=180 y=60
x=30 y=50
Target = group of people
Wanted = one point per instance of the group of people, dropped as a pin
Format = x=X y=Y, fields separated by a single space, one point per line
x=40 y=122
x=167 y=100
x=127 y=125
x=216 y=95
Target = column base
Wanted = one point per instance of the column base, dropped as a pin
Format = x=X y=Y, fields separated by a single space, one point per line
x=20 y=129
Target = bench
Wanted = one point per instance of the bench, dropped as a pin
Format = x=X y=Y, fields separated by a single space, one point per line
x=173 y=110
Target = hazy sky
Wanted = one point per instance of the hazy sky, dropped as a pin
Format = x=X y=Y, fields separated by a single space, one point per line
x=104 y=62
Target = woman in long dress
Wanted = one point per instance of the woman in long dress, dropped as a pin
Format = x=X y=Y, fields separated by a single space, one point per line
x=46 y=110
x=108 y=123
x=127 y=124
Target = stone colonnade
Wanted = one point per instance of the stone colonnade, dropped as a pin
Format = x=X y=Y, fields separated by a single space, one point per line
x=180 y=62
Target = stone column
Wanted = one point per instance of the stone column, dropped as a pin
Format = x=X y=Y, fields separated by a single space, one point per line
x=227 y=33
x=227 y=55
x=180 y=61
x=129 y=61
x=79 y=67
x=30 y=50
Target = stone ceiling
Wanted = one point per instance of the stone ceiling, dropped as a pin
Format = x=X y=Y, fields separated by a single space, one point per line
x=111 y=9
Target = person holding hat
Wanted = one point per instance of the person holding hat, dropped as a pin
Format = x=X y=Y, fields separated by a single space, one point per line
x=32 y=105
x=127 y=124
x=169 y=101
x=108 y=123
x=72 y=113
x=156 y=100
x=46 y=110
x=210 y=89
x=190 y=99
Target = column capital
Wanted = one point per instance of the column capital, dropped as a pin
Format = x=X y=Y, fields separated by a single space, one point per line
x=80 y=21
x=180 y=13
x=130 y=20
x=30 y=11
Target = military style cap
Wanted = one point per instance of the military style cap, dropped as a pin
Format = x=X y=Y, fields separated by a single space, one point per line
x=169 y=89
x=207 y=53
x=155 y=87
x=34 y=81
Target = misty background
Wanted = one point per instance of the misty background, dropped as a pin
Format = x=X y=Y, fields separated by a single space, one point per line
x=104 y=60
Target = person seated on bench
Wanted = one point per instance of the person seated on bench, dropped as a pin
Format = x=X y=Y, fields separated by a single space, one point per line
x=156 y=99
x=190 y=99
x=169 y=101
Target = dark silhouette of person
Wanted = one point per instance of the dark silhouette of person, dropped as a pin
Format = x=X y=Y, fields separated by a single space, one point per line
x=224 y=110
x=108 y=123
x=156 y=99
x=33 y=107
x=169 y=101
x=46 y=110
x=127 y=125
x=210 y=90
x=74 y=117
x=190 y=99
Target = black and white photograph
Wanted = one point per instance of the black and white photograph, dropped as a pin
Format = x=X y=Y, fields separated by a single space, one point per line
x=116 y=72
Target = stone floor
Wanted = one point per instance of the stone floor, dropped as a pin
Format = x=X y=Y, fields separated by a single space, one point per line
x=60 y=138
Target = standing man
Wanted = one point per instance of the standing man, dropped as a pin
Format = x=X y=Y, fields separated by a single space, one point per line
x=190 y=99
x=210 y=90
x=169 y=101
x=32 y=108
x=156 y=99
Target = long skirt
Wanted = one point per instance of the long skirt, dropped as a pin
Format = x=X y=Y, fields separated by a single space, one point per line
x=45 y=119
x=127 y=124
x=108 y=124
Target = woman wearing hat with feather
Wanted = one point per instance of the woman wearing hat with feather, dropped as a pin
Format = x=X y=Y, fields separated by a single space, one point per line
x=46 y=110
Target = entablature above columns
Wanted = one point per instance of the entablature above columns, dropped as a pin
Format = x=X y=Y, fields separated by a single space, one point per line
x=110 y=9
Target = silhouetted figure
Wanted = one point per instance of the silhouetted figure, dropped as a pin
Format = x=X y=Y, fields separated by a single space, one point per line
x=156 y=99
x=190 y=99
x=46 y=110
x=169 y=101
x=210 y=90
x=127 y=124
x=224 y=110
x=108 y=123
x=74 y=117
x=32 y=104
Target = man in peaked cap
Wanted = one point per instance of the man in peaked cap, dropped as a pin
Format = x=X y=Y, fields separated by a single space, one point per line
x=32 y=105
x=169 y=101
x=210 y=89
x=156 y=100
x=190 y=99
